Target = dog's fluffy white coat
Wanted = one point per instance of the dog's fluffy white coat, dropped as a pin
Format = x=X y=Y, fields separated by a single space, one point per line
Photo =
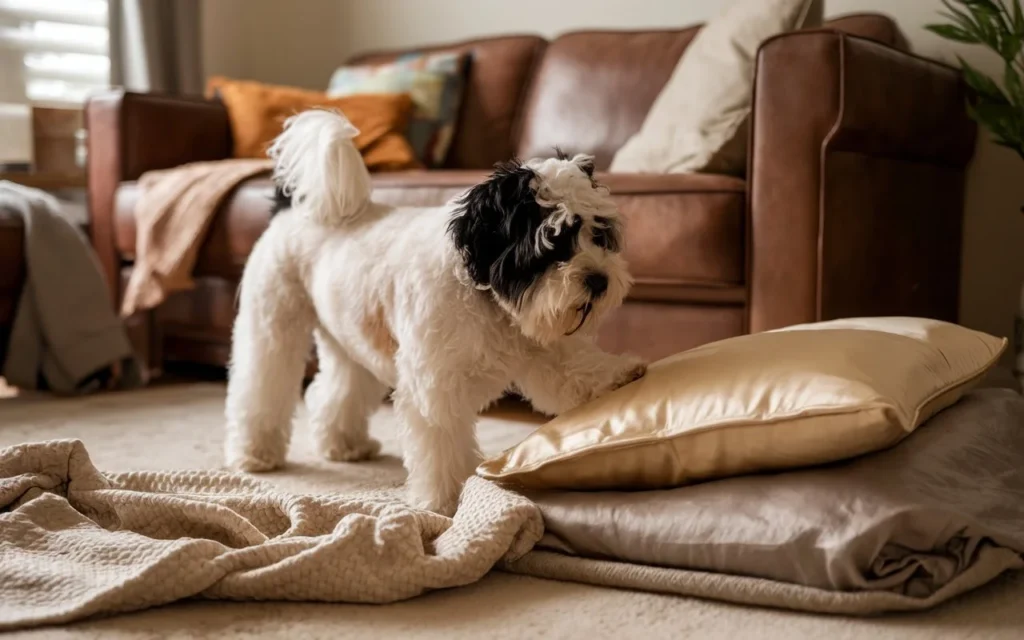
x=386 y=295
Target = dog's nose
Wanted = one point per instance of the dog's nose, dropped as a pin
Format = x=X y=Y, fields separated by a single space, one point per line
x=596 y=283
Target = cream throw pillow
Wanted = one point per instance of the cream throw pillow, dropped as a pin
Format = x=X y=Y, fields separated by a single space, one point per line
x=804 y=395
x=698 y=122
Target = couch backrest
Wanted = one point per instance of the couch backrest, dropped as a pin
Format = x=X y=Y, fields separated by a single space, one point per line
x=498 y=76
x=594 y=89
x=585 y=92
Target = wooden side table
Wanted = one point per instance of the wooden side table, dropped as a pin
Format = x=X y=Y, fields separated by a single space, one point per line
x=47 y=181
x=70 y=188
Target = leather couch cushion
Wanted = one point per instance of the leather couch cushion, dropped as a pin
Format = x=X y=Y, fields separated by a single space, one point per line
x=680 y=228
x=683 y=230
x=499 y=72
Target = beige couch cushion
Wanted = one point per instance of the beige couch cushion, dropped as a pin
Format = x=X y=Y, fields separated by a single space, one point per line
x=698 y=122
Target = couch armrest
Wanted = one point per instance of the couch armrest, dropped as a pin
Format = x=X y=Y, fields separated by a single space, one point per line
x=131 y=133
x=856 y=182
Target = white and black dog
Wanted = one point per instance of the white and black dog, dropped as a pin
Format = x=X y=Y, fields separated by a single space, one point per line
x=450 y=306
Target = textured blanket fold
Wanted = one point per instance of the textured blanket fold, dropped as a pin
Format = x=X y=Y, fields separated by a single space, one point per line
x=173 y=212
x=75 y=542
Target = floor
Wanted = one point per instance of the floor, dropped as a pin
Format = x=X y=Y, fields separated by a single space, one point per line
x=177 y=424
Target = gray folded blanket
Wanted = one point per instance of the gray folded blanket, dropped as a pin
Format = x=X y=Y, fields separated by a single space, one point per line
x=66 y=336
x=940 y=513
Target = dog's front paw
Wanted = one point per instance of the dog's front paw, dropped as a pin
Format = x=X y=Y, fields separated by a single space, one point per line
x=252 y=464
x=444 y=505
x=632 y=374
x=363 y=449
x=619 y=372
x=627 y=369
x=243 y=452
x=439 y=493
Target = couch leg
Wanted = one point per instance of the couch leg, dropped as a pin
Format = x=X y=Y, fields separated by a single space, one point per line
x=144 y=334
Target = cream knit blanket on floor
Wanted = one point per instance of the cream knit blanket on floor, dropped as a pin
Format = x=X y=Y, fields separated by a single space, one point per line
x=75 y=542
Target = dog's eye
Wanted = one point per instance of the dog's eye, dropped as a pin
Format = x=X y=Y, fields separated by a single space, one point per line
x=600 y=236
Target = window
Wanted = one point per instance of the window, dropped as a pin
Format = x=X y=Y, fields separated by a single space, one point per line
x=53 y=52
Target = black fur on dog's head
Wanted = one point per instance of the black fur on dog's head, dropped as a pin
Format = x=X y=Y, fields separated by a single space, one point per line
x=495 y=228
x=280 y=201
x=543 y=237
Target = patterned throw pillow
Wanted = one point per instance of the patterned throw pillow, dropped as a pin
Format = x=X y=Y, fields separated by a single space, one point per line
x=435 y=83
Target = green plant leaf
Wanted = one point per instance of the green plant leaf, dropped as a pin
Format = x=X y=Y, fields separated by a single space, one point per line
x=974 y=24
x=1010 y=46
x=993 y=24
x=951 y=32
x=964 y=20
x=1018 y=19
x=983 y=85
x=1014 y=86
x=1009 y=40
x=987 y=27
x=999 y=117
x=1011 y=145
x=1003 y=121
x=989 y=5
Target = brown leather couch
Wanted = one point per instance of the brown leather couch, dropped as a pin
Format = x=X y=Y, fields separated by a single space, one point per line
x=851 y=205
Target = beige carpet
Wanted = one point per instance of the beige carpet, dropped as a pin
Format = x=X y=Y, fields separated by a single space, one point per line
x=180 y=427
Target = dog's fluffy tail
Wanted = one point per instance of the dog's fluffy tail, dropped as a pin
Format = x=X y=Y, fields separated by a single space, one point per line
x=317 y=164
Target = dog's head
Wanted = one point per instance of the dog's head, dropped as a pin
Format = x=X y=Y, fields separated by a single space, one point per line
x=544 y=237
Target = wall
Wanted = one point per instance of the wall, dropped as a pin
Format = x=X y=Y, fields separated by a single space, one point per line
x=300 y=42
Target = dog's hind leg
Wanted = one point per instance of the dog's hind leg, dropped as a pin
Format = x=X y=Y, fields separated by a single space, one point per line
x=270 y=345
x=341 y=400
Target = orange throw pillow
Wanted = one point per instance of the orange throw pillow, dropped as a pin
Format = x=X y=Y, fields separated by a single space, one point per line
x=257 y=113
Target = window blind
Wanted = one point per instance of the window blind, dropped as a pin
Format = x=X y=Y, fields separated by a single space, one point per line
x=53 y=51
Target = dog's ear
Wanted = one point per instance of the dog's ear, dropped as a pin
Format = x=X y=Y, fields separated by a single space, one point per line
x=585 y=163
x=493 y=215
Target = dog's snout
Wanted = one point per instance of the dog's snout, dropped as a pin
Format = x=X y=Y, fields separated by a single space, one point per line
x=596 y=283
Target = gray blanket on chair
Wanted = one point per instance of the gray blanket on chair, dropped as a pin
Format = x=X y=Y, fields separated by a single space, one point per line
x=65 y=334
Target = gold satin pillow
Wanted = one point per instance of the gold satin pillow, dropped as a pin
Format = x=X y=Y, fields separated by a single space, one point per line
x=803 y=395
x=257 y=112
